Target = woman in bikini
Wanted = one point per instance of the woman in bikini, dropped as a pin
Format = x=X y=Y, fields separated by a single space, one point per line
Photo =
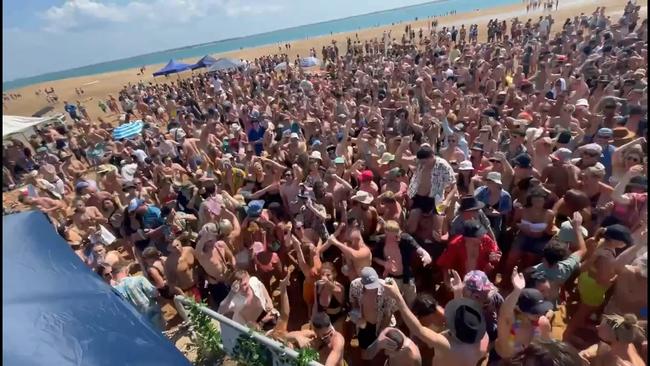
x=154 y=263
x=536 y=228
x=330 y=296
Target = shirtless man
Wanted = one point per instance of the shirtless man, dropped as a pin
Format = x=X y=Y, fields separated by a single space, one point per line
x=466 y=341
x=248 y=301
x=192 y=152
x=290 y=188
x=52 y=207
x=357 y=254
x=86 y=217
x=327 y=341
x=401 y=351
x=217 y=261
x=180 y=271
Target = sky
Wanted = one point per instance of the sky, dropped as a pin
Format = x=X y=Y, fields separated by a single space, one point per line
x=41 y=36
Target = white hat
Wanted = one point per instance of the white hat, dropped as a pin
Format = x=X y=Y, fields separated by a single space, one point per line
x=534 y=133
x=582 y=103
x=316 y=155
x=363 y=197
x=294 y=135
x=465 y=165
x=494 y=177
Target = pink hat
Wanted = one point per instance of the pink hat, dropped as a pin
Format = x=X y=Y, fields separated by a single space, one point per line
x=366 y=176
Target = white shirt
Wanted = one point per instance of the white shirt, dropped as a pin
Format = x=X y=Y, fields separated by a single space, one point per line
x=128 y=171
x=238 y=301
x=140 y=154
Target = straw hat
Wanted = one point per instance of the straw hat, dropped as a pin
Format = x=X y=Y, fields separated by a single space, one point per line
x=622 y=136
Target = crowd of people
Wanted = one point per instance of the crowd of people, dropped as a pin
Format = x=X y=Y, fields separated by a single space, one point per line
x=451 y=202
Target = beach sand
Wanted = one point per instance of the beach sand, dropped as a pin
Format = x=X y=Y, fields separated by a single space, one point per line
x=100 y=85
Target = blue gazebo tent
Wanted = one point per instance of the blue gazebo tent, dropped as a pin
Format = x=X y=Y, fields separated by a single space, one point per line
x=171 y=68
x=56 y=311
x=205 y=61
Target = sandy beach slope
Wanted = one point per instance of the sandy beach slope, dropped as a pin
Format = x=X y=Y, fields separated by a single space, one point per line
x=100 y=85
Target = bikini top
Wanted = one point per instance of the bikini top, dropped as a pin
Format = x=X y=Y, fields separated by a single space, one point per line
x=536 y=227
x=334 y=303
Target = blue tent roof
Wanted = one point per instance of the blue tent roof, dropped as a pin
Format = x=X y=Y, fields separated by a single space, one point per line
x=56 y=311
x=205 y=61
x=172 y=67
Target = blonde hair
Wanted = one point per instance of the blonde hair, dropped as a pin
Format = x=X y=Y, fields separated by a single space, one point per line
x=392 y=226
x=625 y=328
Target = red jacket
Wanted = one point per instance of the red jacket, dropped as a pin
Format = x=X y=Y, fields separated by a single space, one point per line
x=455 y=256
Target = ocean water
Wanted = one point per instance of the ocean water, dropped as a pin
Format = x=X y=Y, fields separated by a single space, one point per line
x=435 y=8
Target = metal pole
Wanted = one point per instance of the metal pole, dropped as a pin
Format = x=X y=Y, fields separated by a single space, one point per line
x=275 y=346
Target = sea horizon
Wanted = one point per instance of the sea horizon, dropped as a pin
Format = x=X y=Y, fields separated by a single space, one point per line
x=346 y=24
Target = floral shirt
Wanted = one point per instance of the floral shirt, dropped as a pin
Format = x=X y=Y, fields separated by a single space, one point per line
x=442 y=176
x=385 y=305
x=138 y=291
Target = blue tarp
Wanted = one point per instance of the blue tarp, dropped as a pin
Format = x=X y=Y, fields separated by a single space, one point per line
x=56 y=311
x=205 y=61
x=172 y=67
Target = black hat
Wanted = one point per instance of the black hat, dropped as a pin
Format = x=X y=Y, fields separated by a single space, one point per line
x=531 y=301
x=618 y=232
x=465 y=320
x=564 y=137
x=471 y=229
x=638 y=182
x=425 y=152
x=490 y=112
x=469 y=203
x=478 y=147
x=522 y=160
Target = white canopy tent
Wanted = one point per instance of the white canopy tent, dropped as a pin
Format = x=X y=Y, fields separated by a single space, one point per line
x=16 y=124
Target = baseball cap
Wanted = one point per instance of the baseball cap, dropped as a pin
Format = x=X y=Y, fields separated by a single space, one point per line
x=465 y=320
x=294 y=135
x=562 y=154
x=369 y=278
x=582 y=103
x=134 y=204
x=605 y=132
x=366 y=176
x=531 y=301
x=465 y=165
x=618 y=232
x=522 y=161
x=568 y=235
x=594 y=148
x=254 y=208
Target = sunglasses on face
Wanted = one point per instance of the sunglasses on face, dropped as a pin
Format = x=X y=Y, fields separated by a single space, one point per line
x=633 y=159
x=593 y=155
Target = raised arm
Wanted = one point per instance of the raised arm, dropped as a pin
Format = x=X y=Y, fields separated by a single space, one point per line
x=430 y=337
x=507 y=315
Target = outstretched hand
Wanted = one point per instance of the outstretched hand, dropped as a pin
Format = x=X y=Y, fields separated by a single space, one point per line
x=518 y=280
x=455 y=282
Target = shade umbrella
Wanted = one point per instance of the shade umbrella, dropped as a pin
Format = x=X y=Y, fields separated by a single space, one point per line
x=128 y=130
x=280 y=66
x=225 y=64
x=309 y=62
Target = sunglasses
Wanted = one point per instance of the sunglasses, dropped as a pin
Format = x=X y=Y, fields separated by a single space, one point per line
x=591 y=154
x=633 y=158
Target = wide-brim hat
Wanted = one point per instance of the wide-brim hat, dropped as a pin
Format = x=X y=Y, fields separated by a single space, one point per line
x=465 y=320
x=363 y=197
x=622 y=136
x=470 y=203
x=386 y=158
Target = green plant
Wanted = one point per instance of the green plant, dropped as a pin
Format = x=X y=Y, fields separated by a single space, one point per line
x=208 y=337
x=248 y=352
x=305 y=356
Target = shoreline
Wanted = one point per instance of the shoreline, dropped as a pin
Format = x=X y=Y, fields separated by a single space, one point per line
x=100 y=85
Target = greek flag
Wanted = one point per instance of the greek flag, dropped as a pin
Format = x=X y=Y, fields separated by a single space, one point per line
x=127 y=130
